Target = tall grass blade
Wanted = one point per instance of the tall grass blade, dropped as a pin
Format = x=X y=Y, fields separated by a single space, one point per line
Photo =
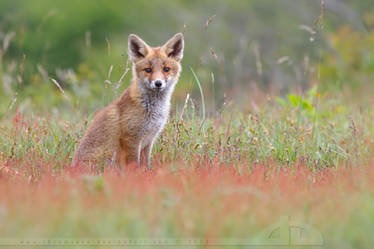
x=202 y=95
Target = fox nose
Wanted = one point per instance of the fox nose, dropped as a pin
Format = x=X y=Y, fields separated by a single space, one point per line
x=158 y=83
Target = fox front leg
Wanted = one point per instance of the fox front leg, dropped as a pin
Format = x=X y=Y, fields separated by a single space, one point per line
x=132 y=154
x=138 y=155
x=148 y=153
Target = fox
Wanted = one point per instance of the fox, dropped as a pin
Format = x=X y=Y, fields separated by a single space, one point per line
x=129 y=125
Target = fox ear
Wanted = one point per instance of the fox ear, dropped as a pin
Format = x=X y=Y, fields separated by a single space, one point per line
x=137 y=49
x=174 y=47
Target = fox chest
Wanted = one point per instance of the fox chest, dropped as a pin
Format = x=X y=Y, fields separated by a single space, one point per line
x=143 y=130
x=154 y=122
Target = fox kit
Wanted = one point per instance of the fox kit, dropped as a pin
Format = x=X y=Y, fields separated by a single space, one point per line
x=130 y=124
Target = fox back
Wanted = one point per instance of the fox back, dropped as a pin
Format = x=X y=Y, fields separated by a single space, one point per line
x=130 y=124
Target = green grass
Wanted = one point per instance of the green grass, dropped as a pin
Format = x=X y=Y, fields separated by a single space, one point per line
x=304 y=157
x=334 y=134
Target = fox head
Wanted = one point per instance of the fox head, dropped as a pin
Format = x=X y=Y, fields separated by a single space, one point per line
x=156 y=69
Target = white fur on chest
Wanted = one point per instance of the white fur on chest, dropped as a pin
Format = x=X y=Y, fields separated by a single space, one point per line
x=157 y=112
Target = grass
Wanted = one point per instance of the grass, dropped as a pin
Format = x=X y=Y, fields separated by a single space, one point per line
x=335 y=135
x=309 y=160
x=274 y=164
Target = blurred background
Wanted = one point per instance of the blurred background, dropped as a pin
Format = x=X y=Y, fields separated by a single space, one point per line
x=65 y=55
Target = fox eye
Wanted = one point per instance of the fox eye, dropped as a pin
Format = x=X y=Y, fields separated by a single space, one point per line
x=166 y=69
x=148 y=70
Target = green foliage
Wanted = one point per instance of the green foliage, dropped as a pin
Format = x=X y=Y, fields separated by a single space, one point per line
x=76 y=42
x=331 y=135
x=305 y=104
x=352 y=62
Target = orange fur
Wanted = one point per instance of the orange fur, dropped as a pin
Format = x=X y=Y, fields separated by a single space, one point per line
x=131 y=123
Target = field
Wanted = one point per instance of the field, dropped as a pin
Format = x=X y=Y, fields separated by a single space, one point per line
x=269 y=143
x=217 y=182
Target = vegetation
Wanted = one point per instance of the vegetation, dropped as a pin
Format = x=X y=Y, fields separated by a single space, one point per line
x=272 y=118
